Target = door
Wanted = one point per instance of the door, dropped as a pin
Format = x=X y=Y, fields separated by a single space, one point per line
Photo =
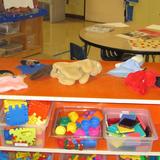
x=75 y=7
x=104 y=10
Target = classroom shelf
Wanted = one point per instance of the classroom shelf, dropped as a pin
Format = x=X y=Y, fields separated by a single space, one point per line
x=103 y=90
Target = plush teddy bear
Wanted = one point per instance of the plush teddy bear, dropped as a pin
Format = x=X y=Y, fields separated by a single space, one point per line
x=68 y=73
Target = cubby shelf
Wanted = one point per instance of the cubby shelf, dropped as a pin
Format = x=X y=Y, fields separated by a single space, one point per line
x=103 y=90
x=29 y=36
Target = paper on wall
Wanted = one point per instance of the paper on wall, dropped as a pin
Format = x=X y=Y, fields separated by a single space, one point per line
x=18 y=3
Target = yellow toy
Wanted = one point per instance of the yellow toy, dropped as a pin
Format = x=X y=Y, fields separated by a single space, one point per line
x=60 y=130
x=13 y=103
x=26 y=135
x=71 y=127
x=73 y=116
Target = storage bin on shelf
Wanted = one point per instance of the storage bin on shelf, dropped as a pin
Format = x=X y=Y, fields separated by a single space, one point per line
x=78 y=127
x=9 y=155
x=82 y=157
x=23 y=123
x=129 y=129
x=9 y=28
x=134 y=157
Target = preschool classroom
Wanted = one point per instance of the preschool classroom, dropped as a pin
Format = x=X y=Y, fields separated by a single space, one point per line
x=79 y=80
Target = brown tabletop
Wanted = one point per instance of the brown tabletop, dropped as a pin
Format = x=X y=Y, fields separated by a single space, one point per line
x=110 y=40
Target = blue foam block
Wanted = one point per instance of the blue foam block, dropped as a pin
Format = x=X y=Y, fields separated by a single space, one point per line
x=129 y=116
x=4 y=156
x=7 y=136
x=89 y=143
x=17 y=116
x=113 y=128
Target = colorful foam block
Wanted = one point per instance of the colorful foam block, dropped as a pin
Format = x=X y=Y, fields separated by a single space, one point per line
x=141 y=122
x=4 y=155
x=17 y=116
x=113 y=128
x=129 y=116
x=139 y=129
x=125 y=130
x=41 y=108
x=13 y=103
x=133 y=134
x=26 y=135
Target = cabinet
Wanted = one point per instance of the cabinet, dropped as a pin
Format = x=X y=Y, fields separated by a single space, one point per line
x=104 y=10
x=30 y=34
x=103 y=89
x=56 y=9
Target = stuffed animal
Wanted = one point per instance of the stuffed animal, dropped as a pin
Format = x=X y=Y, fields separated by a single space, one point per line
x=68 y=73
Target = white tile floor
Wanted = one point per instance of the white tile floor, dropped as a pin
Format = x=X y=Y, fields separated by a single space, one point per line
x=57 y=36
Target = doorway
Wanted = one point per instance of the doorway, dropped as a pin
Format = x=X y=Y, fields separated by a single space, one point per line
x=75 y=8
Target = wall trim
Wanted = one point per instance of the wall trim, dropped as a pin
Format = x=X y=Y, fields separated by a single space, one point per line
x=75 y=16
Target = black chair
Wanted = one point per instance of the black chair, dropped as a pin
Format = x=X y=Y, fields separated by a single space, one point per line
x=77 y=52
x=109 y=55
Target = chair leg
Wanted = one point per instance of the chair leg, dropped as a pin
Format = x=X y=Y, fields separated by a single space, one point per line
x=153 y=58
x=147 y=58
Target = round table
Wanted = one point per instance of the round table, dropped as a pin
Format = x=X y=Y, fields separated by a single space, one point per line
x=111 y=42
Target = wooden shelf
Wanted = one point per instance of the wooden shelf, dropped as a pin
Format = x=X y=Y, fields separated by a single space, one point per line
x=28 y=28
x=9 y=36
x=25 y=53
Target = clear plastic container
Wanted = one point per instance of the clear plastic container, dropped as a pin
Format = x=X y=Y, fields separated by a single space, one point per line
x=141 y=144
x=11 y=155
x=132 y=157
x=82 y=156
x=11 y=48
x=26 y=135
x=74 y=141
x=9 y=28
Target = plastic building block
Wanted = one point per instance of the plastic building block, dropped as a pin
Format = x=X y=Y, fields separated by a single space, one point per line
x=139 y=129
x=85 y=125
x=113 y=128
x=71 y=127
x=22 y=155
x=133 y=134
x=129 y=116
x=128 y=123
x=89 y=143
x=17 y=116
x=94 y=122
x=73 y=116
x=7 y=136
x=25 y=135
x=125 y=130
x=41 y=108
x=141 y=122
x=33 y=119
x=4 y=156
x=13 y=104
x=64 y=121
x=60 y=130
